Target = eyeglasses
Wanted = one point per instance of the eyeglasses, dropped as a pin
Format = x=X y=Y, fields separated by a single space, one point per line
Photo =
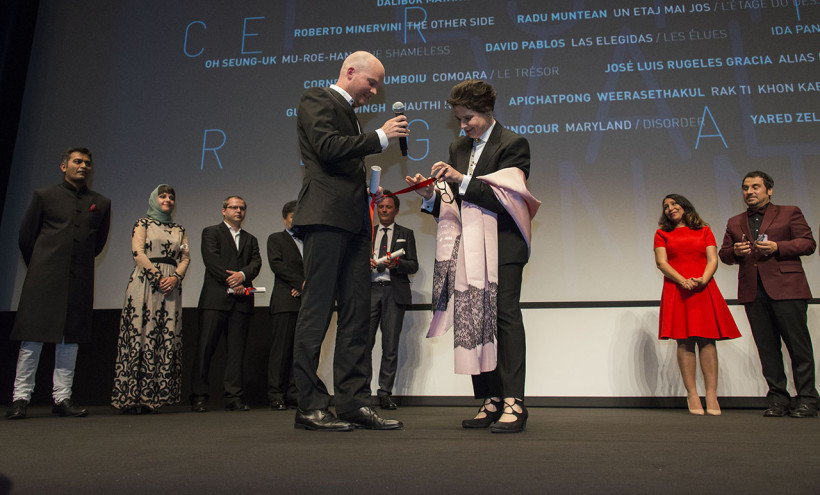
x=441 y=186
x=240 y=208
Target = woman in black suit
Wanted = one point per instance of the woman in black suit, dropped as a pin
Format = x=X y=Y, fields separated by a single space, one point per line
x=487 y=148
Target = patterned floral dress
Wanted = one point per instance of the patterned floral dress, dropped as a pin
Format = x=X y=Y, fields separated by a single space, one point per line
x=148 y=370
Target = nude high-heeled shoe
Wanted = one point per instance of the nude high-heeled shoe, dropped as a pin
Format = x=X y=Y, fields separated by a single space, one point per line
x=694 y=405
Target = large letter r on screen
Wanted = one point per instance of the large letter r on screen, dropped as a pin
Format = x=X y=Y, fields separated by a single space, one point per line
x=206 y=148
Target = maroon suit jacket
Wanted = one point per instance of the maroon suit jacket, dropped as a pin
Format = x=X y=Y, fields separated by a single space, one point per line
x=782 y=273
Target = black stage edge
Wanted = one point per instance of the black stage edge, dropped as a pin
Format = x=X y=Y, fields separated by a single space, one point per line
x=95 y=370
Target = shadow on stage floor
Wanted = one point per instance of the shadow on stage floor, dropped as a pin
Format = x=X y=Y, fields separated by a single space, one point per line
x=563 y=450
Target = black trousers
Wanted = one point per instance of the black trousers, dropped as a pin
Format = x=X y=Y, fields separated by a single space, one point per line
x=772 y=321
x=212 y=324
x=280 y=362
x=336 y=270
x=507 y=379
x=385 y=312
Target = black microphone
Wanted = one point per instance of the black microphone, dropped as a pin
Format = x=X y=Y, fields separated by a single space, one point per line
x=398 y=109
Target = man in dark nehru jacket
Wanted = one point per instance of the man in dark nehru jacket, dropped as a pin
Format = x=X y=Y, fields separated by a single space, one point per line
x=333 y=216
x=231 y=258
x=767 y=242
x=63 y=230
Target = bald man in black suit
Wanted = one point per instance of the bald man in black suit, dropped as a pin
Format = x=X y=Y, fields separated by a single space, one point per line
x=332 y=215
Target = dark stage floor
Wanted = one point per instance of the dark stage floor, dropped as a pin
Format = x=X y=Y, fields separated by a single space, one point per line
x=564 y=450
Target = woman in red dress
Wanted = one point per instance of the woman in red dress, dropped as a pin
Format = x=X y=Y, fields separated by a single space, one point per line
x=693 y=311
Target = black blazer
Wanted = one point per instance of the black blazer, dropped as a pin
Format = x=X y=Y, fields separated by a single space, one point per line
x=503 y=149
x=408 y=264
x=286 y=264
x=219 y=254
x=333 y=149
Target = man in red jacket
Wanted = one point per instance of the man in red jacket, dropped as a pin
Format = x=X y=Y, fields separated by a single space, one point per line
x=767 y=241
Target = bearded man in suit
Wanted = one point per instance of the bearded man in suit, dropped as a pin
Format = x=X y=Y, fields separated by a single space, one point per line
x=767 y=242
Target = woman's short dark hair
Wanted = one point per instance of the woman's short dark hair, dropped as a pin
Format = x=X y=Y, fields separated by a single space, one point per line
x=473 y=94
x=690 y=216
x=166 y=189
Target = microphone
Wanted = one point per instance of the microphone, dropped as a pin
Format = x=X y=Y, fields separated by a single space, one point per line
x=398 y=109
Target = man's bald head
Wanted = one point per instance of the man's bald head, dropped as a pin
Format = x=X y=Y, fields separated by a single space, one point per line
x=361 y=76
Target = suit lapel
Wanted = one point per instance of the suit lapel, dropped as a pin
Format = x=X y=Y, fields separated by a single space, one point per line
x=397 y=234
x=744 y=229
x=490 y=149
x=243 y=241
x=768 y=218
x=228 y=236
x=290 y=241
x=347 y=107
x=463 y=155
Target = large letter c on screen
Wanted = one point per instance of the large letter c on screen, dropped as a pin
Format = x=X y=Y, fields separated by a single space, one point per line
x=185 y=44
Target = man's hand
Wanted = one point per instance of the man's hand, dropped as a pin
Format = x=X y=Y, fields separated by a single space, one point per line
x=234 y=279
x=742 y=248
x=767 y=248
x=391 y=264
x=295 y=293
x=396 y=127
x=379 y=196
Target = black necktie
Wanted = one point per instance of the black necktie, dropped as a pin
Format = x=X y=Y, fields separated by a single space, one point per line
x=383 y=248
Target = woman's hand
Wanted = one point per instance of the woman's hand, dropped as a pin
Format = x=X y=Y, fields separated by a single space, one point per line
x=444 y=171
x=167 y=284
x=425 y=192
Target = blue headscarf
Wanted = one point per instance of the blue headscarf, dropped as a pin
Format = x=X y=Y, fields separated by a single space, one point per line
x=154 y=211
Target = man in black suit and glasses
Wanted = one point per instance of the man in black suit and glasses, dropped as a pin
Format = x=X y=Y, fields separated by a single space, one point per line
x=333 y=216
x=232 y=261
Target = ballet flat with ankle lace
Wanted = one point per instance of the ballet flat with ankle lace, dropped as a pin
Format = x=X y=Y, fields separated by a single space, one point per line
x=489 y=418
x=513 y=426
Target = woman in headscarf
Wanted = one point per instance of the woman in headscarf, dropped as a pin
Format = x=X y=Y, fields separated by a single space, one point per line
x=148 y=369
